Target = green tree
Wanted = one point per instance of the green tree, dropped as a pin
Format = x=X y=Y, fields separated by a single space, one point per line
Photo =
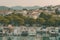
x=57 y=22
x=51 y=21
x=30 y=21
x=1 y=18
x=40 y=21
x=18 y=21
x=57 y=11
x=45 y=16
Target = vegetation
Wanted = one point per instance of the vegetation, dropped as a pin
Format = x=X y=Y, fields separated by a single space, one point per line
x=18 y=19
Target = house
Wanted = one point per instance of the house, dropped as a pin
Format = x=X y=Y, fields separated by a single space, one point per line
x=16 y=31
x=32 y=31
x=52 y=38
x=57 y=29
x=58 y=37
x=35 y=14
x=8 y=30
x=38 y=30
x=44 y=31
x=5 y=12
x=5 y=30
x=52 y=32
x=24 y=31
x=1 y=32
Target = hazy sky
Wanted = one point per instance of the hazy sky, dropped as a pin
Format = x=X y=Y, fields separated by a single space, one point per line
x=28 y=2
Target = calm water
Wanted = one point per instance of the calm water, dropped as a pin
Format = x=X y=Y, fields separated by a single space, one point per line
x=17 y=38
x=25 y=38
x=37 y=37
x=20 y=38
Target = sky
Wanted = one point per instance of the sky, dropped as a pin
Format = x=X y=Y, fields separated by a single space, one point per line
x=11 y=3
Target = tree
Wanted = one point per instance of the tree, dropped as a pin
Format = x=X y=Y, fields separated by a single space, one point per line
x=57 y=22
x=24 y=9
x=49 y=7
x=40 y=21
x=45 y=16
x=10 y=18
x=30 y=21
x=57 y=11
x=19 y=21
x=16 y=19
x=51 y=21
x=5 y=21
x=1 y=18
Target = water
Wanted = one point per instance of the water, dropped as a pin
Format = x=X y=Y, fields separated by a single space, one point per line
x=17 y=38
x=27 y=38
x=42 y=36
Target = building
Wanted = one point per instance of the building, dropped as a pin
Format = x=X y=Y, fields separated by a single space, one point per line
x=32 y=31
x=24 y=31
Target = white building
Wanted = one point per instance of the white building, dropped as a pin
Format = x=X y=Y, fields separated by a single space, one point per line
x=17 y=31
x=32 y=31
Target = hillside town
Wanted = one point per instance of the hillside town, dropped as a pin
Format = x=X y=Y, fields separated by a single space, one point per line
x=33 y=13
x=38 y=23
x=38 y=32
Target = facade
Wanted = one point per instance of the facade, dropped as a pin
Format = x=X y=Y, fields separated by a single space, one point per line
x=24 y=30
x=32 y=31
x=16 y=31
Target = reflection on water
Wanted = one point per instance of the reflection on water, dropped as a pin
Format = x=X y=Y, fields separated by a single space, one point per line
x=0 y=38
x=19 y=38
x=9 y=38
x=26 y=38
x=16 y=38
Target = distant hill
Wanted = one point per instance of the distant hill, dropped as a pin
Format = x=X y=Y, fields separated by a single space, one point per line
x=5 y=8
x=20 y=7
x=17 y=7
x=57 y=6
